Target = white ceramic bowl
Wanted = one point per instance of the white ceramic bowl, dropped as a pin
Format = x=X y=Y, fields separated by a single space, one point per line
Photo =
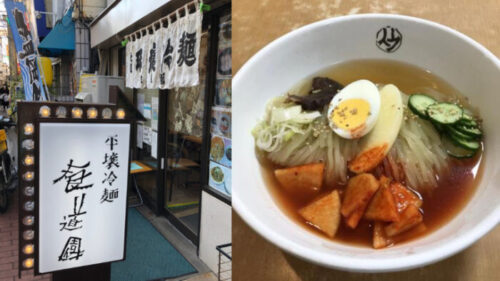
x=456 y=58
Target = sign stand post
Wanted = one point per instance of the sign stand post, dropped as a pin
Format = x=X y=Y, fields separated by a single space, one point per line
x=100 y=272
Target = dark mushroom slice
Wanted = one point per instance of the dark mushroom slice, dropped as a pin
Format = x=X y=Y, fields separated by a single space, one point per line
x=322 y=92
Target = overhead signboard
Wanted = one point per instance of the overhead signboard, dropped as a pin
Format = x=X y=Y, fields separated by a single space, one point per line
x=83 y=174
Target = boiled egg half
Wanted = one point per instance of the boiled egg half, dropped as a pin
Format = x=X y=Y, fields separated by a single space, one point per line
x=354 y=110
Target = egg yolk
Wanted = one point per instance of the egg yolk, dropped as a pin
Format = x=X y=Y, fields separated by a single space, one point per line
x=350 y=114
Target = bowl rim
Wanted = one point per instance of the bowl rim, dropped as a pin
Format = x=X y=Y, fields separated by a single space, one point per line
x=357 y=264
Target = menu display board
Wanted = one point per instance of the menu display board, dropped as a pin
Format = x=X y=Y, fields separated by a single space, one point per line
x=220 y=147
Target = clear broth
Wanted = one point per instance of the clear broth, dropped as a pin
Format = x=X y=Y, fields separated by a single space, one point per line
x=440 y=205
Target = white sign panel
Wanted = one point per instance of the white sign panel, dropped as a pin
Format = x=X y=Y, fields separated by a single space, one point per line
x=82 y=193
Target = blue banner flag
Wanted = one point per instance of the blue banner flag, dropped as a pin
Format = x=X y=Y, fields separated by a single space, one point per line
x=25 y=49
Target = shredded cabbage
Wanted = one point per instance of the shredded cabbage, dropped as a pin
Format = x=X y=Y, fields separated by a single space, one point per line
x=280 y=123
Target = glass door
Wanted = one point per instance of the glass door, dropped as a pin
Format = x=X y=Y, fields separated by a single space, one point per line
x=189 y=126
x=183 y=145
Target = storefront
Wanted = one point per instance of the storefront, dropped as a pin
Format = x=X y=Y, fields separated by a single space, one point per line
x=181 y=154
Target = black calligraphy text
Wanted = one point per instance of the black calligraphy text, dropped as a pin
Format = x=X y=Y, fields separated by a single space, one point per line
x=186 y=49
x=74 y=176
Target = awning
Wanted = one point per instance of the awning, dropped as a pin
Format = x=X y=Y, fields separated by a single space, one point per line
x=61 y=38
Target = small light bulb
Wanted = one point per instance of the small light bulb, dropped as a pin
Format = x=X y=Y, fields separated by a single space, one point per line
x=28 y=249
x=29 y=190
x=28 y=263
x=77 y=112
x=28 y=144
x=120 y=113
x=28 y=235
x=29 y=129
x=44 y=111
x=28 y=220
x=61 y=112
x=92 y=113
x=29 y=206
x=28 y=176
x=107 y=113
x=29 y=160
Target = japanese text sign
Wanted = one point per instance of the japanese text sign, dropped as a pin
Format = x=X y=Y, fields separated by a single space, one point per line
x=169 y=57
x=83 y=175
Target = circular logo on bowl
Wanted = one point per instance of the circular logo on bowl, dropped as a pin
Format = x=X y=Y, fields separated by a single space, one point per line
x=389 y=39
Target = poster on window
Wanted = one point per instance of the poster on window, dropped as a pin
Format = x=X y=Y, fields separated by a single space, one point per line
x=221 y=150
x=224 y=63
x=223 y=94
x=155 y=104
x=220 y=178
x=221 y=121
x=83 y=175
x=224 y=49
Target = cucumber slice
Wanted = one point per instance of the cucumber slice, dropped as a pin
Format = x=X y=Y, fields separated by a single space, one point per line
x=469 y=130
x=444 y=113
x=466 y=122
x=467 y=117
x=418 y=103
x=472 y=145
x=452 y=131
x=456 y=151
x=439 y=127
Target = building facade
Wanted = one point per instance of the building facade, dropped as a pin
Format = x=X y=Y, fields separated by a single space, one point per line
x=185 y=141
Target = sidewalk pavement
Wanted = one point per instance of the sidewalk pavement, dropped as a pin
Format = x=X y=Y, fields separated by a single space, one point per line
x=9 y=247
